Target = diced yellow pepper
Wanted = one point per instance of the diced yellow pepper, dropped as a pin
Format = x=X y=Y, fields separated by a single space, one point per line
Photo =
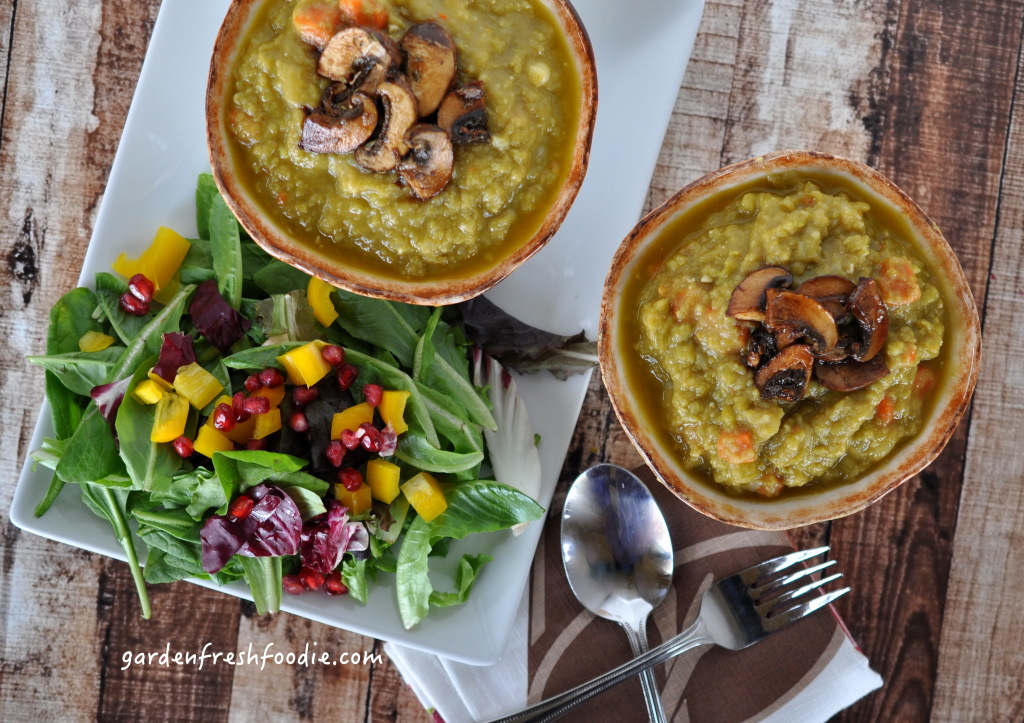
x=148 y=392
x=425 y=495
x=351 y=418
x=166 y=385
x=382 y=476
x=94 y=341
x=160 y=262
x=267 y=423
x=197 y=385
x=357 y=502
x=209 y=440
x=305 y=365
x=171 y=416
x=392 y=410
x=275 y=396
x=241 y=432
x=318 y=294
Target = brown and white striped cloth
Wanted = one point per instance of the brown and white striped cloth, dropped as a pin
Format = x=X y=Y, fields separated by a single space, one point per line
x=805 y=673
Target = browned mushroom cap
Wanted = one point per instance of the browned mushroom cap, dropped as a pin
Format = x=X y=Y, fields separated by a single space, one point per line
x=749 y=297
x=760 y=347
x=871 y=314
x=829 y=291
x=429 y=64
x=383 y=153
x=428 y=166
x=850 y=375
x=849 y=340
x=786 y=376
x=344 y=123
x=360 y=58
x=463 y=113
x=787 y=311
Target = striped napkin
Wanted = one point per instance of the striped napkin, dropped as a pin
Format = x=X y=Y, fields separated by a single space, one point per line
x=808 y=672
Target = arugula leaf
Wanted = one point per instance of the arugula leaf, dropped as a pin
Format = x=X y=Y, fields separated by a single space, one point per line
x=478 y=506
x=80 y=371
x=226 y=249
x=386 y=324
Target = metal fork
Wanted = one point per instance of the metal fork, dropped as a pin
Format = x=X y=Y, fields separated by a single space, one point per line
x=735 y=612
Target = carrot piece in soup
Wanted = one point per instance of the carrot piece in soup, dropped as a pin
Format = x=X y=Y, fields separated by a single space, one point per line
x=736 y=447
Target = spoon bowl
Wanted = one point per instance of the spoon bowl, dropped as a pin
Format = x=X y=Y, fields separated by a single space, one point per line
x=617 y=554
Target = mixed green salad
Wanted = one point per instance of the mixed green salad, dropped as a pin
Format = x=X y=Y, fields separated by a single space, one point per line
x=248 y=422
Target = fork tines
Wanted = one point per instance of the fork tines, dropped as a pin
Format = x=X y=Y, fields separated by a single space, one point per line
x=775 y=598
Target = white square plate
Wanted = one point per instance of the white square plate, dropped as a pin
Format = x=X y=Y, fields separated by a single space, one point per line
x=641 y=51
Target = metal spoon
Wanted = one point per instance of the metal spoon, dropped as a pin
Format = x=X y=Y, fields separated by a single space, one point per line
x=618 y=556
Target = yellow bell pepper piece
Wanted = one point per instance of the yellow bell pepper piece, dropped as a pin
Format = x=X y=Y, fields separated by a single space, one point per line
x=148 y=392
x=351 y=418
x=392 y=410
x=318 y=294
x=197 y=385
x=160 y=262
x=94 y=341
x=170 y=419
x=275 y=396
x=240 y=433
x=209 y=440
x=382 y=477
x=267 y=423
x=305 y=365
x=425 y=495
x=357 y=502
x=157 y=379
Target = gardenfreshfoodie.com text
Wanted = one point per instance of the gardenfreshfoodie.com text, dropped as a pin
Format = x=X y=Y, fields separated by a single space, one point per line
x=308 y=657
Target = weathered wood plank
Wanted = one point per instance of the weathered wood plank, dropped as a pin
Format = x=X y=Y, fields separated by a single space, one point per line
x=981 y=663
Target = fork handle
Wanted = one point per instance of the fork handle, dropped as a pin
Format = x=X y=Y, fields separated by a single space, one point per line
x=555 y=706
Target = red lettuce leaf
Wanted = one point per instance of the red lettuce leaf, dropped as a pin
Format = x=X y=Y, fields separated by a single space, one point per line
x=176 y=351
x=214 y=318
x=108 y=398
x=272 y=529
x=326 y=537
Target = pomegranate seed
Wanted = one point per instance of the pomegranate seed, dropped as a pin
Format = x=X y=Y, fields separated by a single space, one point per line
x=304 y=395
x=370 y=438
x=333 y=355
x=241 y=507
x=349 y=439
x=134 y=306
x=293 y=585
x=373 y=394
x=271 y=378
x=256 y=405
x=311 y=579
x=335 y=453
x=299 y=422
x=333 y=584
x=388 y=441
x=256 y=444
x=183 y=446
x=141 y=288
x=238 y=407
x=350 y=478
x=223 y=418
x=253 y=383
x=346 y=375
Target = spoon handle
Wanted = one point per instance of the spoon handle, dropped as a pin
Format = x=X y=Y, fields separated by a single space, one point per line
x=638 y=642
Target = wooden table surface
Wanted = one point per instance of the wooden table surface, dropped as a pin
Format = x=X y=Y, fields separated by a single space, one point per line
x=927 y=92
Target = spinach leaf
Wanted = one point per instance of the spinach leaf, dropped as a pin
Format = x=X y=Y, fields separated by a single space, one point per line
x=150 y=464
x=277 y=277
x=150 y=337
x=415 y=450
x=465 y=576
x=198 y=491
x=206 y=192
x=111 y=505
x=80 y=371
x=477 y=506
x=259 y=357
x=163 y=567
x=242 y=469
x=91 y=454
x=434 y=369
x=372 y=371
x=387 y=324
x=127 y=326
x=197 y=266
x=226 y=249
x=70 y=319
